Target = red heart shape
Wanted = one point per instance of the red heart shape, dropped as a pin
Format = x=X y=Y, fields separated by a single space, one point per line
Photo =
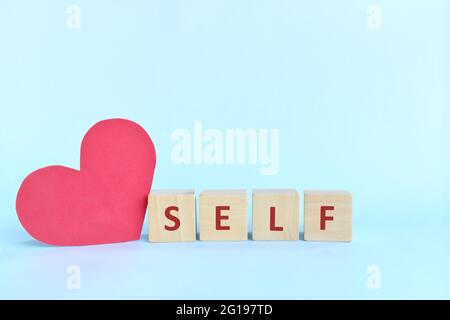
x=104 y=201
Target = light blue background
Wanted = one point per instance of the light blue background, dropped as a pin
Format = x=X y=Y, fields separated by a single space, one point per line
x=357 y=109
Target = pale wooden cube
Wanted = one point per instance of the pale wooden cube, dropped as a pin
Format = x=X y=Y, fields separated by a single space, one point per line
x=223 y=215
x=328 y=215
x=172 y=216
x=275 y=214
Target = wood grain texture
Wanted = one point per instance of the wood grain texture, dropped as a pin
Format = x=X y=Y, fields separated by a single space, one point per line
x=158 y=202
x=337 y=229
x=284 y=224
x=235 y=218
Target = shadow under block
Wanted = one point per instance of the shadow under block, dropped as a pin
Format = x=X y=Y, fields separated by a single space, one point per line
x=223 y=215
x=328 y=215
x=275 y=214
x=171 y=216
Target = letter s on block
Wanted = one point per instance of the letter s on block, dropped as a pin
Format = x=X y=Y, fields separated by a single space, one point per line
x=171 y=217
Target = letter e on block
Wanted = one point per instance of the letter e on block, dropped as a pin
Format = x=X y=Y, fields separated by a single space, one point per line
x=171 y=216
x=328 y=215
x=223 y=215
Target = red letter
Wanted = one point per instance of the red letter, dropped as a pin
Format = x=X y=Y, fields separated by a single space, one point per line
x=273 y=227
x=324 y=217
x=220 y=217
x=171 y=217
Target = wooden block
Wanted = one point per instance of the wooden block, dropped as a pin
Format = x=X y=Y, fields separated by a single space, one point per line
x=275 y=214
x=328 y=215
x=223 y=215
x=171 y=216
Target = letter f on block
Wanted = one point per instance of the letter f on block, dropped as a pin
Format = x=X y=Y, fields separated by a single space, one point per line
x=324 y=217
